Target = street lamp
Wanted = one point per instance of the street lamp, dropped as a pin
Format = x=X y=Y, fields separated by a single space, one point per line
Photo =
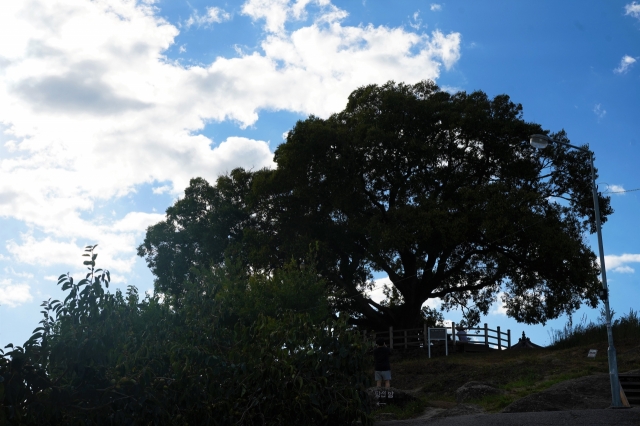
x=541 y=142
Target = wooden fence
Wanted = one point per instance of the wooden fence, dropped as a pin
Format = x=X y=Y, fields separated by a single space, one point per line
x=495 y=339
x=417 y=337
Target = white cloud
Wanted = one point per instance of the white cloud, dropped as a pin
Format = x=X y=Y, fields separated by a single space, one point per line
x=451 y=89
x=277 y=12
x=10 y=270
x=625 y=63
x=92 y=109
x=599 y=111
x=433 y=303
x=633 y=9
x=161 y=189
x=273 y=12
x=212 y=15
x=377 y=294
x=45 y=252
x=615 y=189
x=116 y=251
x=435 y=7
x=619 y=263
x=12 y=294
x=137 y=222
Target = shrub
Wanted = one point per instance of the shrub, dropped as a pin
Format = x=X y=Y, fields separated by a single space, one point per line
x=101 y=358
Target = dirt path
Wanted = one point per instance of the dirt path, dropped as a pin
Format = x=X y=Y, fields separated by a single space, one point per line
x=605 y=417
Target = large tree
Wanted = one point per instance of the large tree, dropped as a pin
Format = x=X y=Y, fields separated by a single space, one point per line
x=441 y=192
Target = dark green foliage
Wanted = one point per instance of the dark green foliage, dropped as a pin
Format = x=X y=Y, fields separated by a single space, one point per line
x=289 y=289
x=197 y=358
x=198 y=230
x=441 y=192
x=444 y=194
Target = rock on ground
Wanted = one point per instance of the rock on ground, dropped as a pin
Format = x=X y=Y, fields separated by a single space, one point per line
x=579 y=394
x=476 y=390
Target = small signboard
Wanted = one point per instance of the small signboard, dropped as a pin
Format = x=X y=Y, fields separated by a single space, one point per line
x=592 y=353
x=383 y=395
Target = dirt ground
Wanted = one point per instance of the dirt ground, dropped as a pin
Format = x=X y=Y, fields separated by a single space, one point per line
x=584 y=393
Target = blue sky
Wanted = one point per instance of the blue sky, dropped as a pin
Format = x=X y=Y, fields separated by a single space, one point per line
x=108 y=107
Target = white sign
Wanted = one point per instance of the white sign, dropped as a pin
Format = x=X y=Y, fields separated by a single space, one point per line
x=592 y=353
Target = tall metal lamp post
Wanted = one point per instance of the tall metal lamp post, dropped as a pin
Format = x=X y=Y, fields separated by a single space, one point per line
x=541 y=142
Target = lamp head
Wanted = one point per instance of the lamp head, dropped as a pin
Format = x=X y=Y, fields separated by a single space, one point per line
x=539 y=141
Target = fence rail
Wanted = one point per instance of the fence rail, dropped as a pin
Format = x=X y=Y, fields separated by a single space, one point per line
x=417 y=337
x=495 y=339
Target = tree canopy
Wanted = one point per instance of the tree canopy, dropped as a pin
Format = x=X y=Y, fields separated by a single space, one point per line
x=440 y=191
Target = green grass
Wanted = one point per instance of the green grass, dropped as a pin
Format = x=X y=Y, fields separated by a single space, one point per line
x=560 y=378
x=572 y=335
x=495 y=403
x=528 y=379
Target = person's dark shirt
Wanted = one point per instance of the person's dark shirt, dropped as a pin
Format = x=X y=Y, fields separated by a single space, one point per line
x=381 y=358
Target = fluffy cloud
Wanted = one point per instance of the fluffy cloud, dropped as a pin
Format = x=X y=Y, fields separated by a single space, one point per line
x=615 y=189
x=633 y=9
x=435 y=7
x=12 y=294
x=377 y=293
x=625 y=64
x=276 y=13
x=91 y=109
x=619 y=263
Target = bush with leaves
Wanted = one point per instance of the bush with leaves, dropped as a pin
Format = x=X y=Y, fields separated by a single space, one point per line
x=101 y=358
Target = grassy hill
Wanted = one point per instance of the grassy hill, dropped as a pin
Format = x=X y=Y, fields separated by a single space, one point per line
x=518 y=372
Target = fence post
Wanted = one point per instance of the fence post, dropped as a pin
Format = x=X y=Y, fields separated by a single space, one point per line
x=405 y=339
x=453 y=332
x=508 y=338
x=390 y=337
x=486 y=334
x=499 y=339
x=424 y=333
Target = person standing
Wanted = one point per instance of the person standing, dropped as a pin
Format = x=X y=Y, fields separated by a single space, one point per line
x=462 y=334
x=382 y=364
